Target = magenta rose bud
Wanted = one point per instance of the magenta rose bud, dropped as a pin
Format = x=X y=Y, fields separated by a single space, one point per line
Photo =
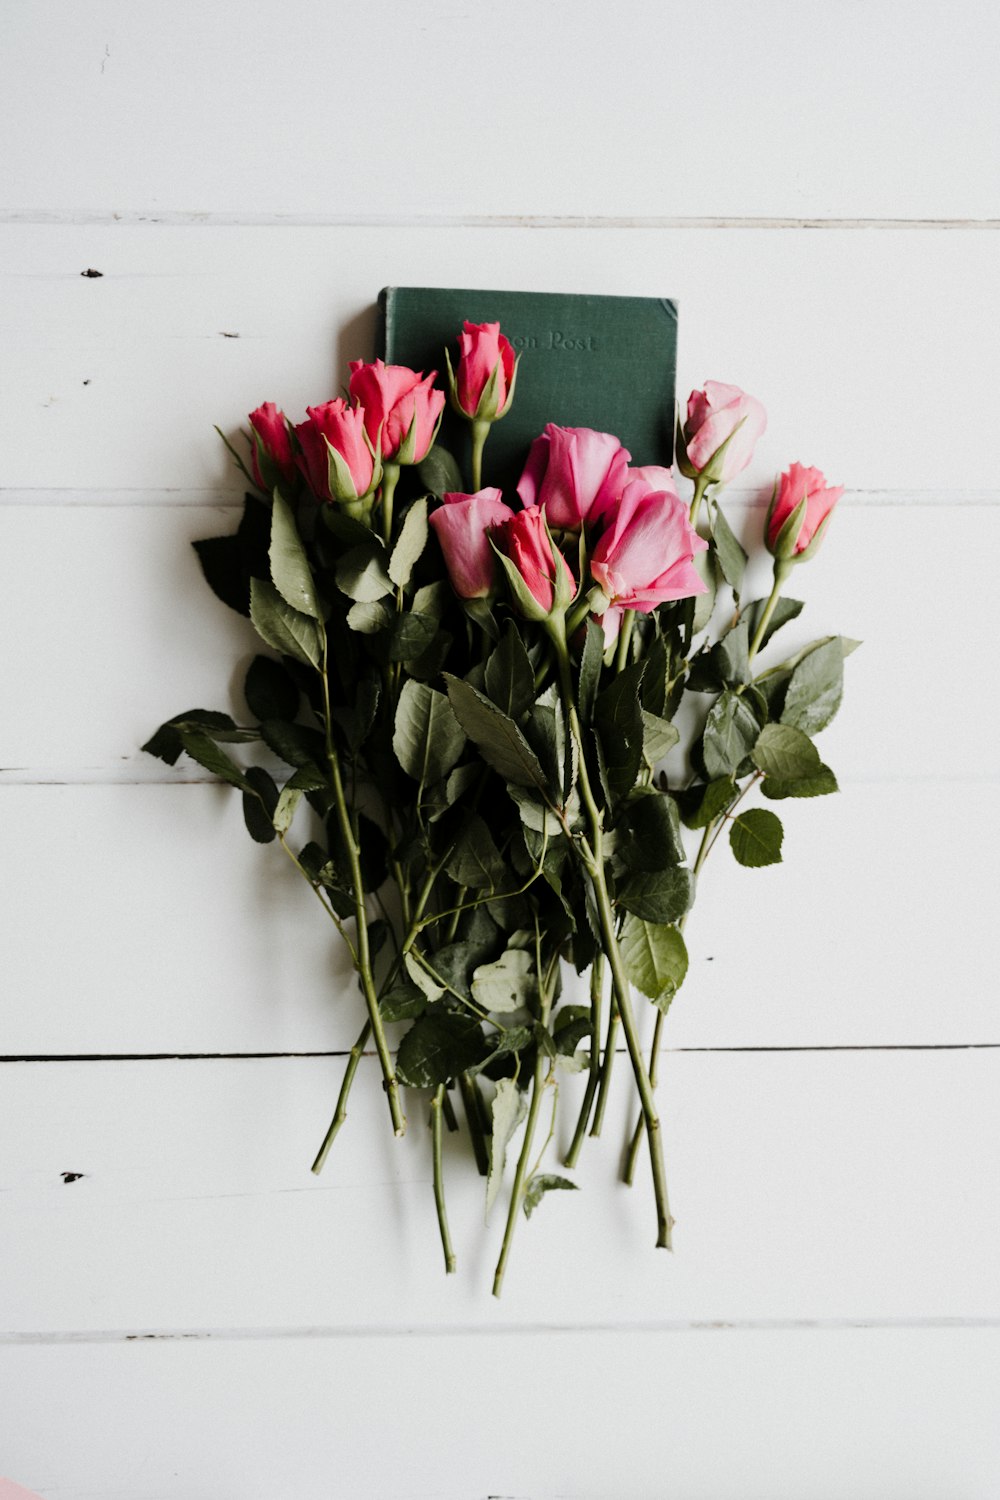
x=483 y=386
x=540 y=577
x=721 y=431
x=800 y=511
x=271 y=456
x=335 y=456
x=574 y=474
x=462 y=526
x=645 y=554
x=402 y=410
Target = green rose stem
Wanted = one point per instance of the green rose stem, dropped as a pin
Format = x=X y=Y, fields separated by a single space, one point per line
x=524 y=1160
x=357 y=1052
x=624 y=640
x=390 y=478
x=782 y=569
x=592 y=853
x=604 y=1090
x=594 y=1074
x=437 y=1106
x=701 y=484
x=364 y=961
x=480 y=432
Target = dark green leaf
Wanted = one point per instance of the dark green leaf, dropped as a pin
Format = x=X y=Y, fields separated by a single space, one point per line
x=290 y=571
x=437 y=1047
x=403 y=1002
x=259 y=801
x=440 y=473
x=701 y=805
x=283 y=627
x=500 y=742
x=539 y=1185
x=296 y=744
x=784 y=610
x=475 y=860
x=649 y=834
x=410 y=544
x=428 y=738
x=816 y=688
x=269 y=691
x=785 y=753
x=732 y=558
x=755 y=838
x=207 y=753
x=655 y=957
x=361 y=573
x=410 y=636
x=730 y=656
x=368 y=619
x=166 y=743
x=730 y=734
x=821 y=782
x=591 y=660
x=653 y=695
x=659 y=736
x=510 y=682
x=618 y=719
x=660 y=896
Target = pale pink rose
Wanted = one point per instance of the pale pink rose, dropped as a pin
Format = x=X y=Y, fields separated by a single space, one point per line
x=271 y=427
x=462 y=525
x=481 y=348
x=392 y=396
x=796 y=485
x=574 y=474
x=343 y=427
x=715 y=414
x=644 y=556
x=526 y=542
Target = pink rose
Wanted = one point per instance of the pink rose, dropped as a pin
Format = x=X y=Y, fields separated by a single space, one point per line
x=336 y=460
x=483 y=349
x=462 y=525
x=541 y=566
x=645 y=554
x=806 y=488
x=401 y=409
x=271 y=448
x=722 y=415
x=573 y=473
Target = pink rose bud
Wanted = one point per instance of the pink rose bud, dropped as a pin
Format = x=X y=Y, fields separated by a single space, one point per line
x=462 y=525
x=483 y=388
x=645 y=554
x=574 y=474
x=721 y=431
x=539 y=575
x=271 y=456
x=800 y=512
x=336 y=456
x=402 y=411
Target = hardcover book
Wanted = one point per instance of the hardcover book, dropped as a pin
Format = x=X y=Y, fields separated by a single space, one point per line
x=602 y=362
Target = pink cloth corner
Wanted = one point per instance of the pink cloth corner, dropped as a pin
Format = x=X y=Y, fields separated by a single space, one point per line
x=11 y=1491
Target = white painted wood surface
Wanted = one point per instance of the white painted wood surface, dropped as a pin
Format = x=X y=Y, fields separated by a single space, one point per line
x=837 y=1193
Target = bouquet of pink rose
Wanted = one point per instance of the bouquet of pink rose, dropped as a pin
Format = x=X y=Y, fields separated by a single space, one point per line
x=473 y=700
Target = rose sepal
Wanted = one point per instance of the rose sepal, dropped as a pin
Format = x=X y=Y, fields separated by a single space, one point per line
x=783 y=546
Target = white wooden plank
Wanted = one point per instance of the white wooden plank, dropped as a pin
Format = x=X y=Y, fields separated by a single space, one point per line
x=683 y=1416
x=813 y=110
x=872 y=352
x=127 y=634
x=144 y=920
x=822 y=1186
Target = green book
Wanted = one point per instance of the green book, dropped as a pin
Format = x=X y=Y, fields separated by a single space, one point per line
x=602 y=362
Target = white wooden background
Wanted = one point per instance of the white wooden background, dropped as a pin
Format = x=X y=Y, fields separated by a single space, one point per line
x=195 y=1317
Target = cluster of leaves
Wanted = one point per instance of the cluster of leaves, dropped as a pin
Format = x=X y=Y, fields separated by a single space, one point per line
x=426 y=767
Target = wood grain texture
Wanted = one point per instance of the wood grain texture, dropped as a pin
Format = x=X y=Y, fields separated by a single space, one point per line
x=810 y=1186
x=142 y=919
x=873 y=353
x=707 y=1415
x=817 y=110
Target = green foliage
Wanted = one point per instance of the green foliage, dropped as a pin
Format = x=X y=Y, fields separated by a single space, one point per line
x=508 y=1111
x=428 y=738
x=619 y=724
x=290 y=571
x=438 y=1046
x=655 y=958
x=755 y=838
x=732 y=558
x=500 y=742
x=410 y=545
x=279 y=625
x=542 y=1183
x=510 y=681
x=731 y=732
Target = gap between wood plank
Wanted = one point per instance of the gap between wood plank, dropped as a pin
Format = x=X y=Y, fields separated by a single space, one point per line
x=466 y=1330
x=194 y=218
x=77 y=1057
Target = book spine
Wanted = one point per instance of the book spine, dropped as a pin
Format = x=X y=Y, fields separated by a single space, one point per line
x=383 y=324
